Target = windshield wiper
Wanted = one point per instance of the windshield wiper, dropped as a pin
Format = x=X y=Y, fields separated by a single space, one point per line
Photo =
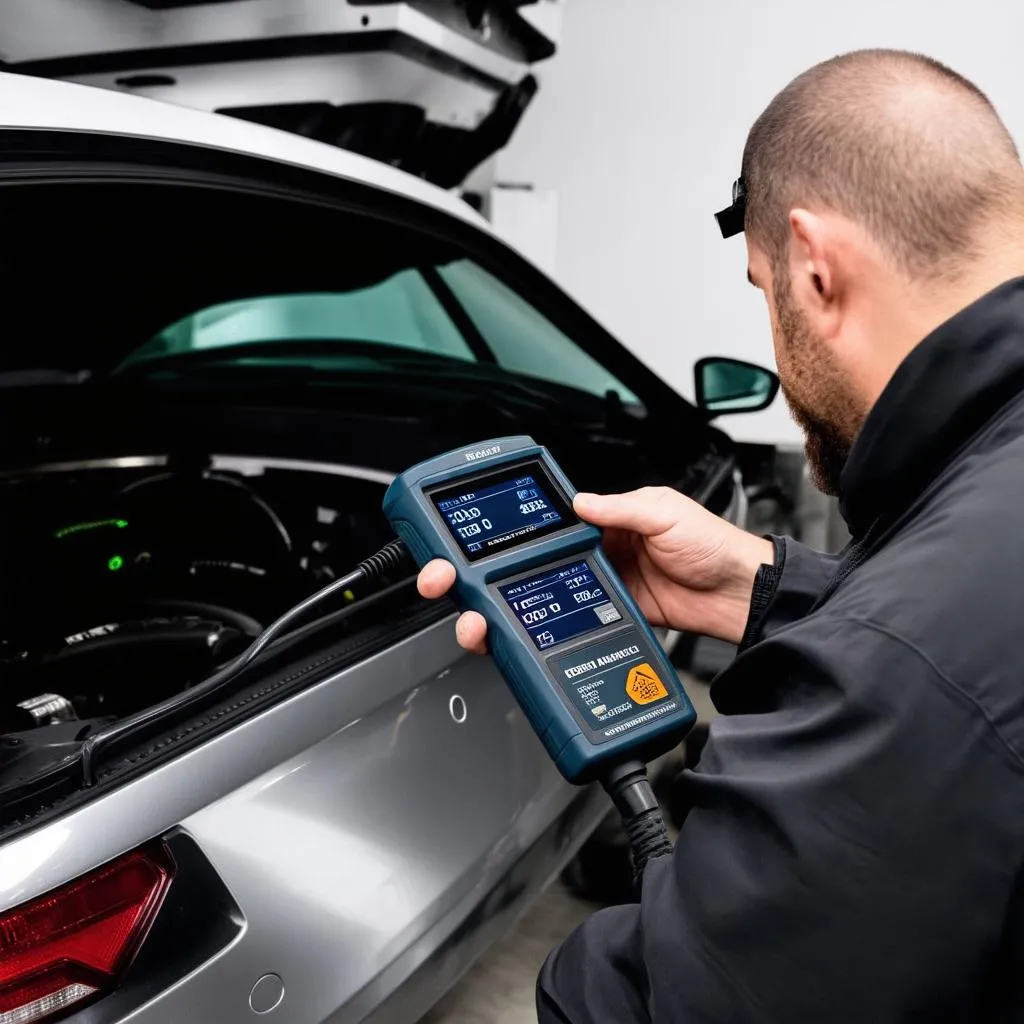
x=338 y=350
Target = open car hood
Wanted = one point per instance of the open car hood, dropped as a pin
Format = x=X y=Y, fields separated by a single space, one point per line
x=337 y=72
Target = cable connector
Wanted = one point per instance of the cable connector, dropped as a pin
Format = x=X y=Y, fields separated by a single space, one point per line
x=628 y=786
x=394 y=555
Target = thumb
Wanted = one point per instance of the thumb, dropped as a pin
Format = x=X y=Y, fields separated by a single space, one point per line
x=648 y=511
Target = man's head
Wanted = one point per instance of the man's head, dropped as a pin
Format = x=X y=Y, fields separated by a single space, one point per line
x=883 y=194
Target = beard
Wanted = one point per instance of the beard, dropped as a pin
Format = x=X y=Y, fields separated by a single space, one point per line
x=826 y=449
x=816 y=390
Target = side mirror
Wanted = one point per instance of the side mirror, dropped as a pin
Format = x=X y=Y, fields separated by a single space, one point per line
x=726 y=385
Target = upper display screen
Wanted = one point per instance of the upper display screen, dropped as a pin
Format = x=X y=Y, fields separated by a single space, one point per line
x=500 y=510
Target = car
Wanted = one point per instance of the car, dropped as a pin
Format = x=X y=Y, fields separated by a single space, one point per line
x=221 y=342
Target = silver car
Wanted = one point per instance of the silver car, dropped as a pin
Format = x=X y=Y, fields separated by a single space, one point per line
x=220 y=343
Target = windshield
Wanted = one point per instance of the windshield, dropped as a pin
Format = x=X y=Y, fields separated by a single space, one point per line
x=399 y=311
x=207 y=288
x=456 y=310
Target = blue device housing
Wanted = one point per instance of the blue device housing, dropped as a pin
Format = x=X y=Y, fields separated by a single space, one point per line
x=565 y=690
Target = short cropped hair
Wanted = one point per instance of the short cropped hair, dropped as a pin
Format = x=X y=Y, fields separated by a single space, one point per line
x=895 y=141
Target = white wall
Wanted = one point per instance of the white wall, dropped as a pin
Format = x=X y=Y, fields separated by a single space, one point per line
x=640 y=125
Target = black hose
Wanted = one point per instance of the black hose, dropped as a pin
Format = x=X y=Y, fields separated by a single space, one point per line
x=628 y=786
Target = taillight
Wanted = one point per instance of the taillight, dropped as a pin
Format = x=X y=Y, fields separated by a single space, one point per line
x=68 y=946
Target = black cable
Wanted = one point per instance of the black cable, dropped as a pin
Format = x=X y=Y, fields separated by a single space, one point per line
x=371 y=570
x=628 y=786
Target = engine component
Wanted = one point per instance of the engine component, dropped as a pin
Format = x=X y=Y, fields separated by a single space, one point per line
x=35 y=712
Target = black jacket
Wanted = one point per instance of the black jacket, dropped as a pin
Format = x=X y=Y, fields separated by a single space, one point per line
x=855 y=838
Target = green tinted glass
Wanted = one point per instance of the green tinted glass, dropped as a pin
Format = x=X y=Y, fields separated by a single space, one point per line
x=406 y=311
x=522 y=339
x=400 y=311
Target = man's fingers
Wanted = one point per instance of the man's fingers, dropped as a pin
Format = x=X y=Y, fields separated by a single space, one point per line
x=471 y=632
x=436 y=578
x=648 y=511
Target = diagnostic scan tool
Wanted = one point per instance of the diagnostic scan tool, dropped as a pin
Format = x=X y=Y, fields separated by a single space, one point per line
x=566 y=635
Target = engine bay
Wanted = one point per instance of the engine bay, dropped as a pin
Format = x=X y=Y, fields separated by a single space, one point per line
x=125 y=581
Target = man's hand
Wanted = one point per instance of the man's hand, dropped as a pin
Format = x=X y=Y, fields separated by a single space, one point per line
x=687 y=568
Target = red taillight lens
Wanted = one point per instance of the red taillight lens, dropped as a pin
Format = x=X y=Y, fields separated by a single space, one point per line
x=63 y=948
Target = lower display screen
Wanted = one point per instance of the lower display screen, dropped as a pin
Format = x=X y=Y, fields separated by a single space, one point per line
x=559 y=604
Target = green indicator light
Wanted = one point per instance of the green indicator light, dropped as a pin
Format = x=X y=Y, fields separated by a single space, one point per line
x=120 y=523
x=115 y=563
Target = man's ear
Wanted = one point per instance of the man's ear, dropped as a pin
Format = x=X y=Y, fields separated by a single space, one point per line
x=811 y=262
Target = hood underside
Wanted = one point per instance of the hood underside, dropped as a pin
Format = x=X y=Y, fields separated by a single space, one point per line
x=340 y=73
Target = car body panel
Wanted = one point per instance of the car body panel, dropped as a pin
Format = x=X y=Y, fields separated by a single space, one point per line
x=378 y=693
x=358 y=821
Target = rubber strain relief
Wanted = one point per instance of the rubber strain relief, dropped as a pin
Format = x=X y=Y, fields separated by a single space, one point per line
x=628 y=786
x=648 y=838
x=394 y=555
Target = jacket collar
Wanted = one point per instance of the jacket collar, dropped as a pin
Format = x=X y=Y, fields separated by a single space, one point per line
x=950 y=386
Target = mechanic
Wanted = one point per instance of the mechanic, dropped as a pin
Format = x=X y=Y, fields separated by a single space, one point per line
x=855 y=834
